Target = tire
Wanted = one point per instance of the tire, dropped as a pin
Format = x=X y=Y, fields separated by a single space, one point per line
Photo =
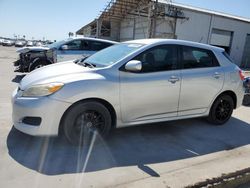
x=84 y=119
x=37 y=65
x=221 y=110
x=246 y=100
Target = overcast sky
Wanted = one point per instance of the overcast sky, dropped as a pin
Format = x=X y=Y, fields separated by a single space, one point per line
x=53 y=19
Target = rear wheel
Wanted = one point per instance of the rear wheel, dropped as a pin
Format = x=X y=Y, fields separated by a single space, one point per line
x=85 y=119
x=221 y=110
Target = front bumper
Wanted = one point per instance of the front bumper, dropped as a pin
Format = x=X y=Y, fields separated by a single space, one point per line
x=49 y=110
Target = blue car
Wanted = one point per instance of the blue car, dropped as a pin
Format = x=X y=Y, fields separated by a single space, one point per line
x=31 y=58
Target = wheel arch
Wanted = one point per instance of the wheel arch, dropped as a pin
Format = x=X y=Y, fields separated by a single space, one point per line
x=99 y=100
x=38 y=59
x=42 y=59
x=231 y=94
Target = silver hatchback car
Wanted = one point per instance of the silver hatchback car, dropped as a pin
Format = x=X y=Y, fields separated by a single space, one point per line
x=131 y=83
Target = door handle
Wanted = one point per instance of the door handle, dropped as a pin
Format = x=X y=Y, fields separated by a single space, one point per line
x=173 y=79
x=217 y=75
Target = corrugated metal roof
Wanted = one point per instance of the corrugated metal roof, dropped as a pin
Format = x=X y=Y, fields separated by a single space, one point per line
x=117 y=9
x=206 y=11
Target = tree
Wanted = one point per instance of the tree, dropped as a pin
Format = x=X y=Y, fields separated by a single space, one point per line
x=71 y=34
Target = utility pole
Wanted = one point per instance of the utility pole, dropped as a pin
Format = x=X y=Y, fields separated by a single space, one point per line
x=152 y=17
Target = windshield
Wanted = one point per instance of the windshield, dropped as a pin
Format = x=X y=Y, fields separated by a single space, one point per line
x=56 y=44
x=112 y=54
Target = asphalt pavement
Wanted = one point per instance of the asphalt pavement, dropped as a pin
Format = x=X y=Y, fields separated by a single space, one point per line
x=169 y=154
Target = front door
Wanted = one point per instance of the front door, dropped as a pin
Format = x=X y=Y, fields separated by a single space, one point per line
x=75 y=49
x=152 y=93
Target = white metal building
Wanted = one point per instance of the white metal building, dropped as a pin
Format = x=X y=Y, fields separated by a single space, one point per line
x=125 y=20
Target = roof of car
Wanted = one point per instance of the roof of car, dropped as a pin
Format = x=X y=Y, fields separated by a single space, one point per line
x=94 y=39
x=174 y=41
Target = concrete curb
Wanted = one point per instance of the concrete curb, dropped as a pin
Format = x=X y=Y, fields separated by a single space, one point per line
x=230 y=180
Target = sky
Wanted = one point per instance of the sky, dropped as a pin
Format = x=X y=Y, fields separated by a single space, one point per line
x=54 y=19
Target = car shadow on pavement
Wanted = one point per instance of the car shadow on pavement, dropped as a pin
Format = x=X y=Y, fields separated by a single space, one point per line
x=18 y=78
x=133 y=146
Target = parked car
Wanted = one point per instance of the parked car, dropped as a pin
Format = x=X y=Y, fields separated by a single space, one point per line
x=8 y=42
x=246 y=100
x=38 y=44
x=20 y=43
x=29 y=44
x=1 y=41
x=48 y=42
x=135 y=82
x=35 y=57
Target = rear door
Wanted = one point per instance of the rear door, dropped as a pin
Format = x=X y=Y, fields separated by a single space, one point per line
x=202 y=80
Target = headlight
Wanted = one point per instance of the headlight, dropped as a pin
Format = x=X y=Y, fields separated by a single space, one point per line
x=42 y=90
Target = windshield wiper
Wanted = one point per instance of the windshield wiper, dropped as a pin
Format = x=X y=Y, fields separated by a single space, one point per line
x=87 y=64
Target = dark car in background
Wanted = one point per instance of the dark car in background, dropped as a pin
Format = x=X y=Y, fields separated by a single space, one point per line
x=246 y=100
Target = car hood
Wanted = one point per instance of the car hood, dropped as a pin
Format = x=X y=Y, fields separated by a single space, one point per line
x=28 y=49
x=61 y=72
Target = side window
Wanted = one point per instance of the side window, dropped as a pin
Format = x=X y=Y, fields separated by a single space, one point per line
x=197 y=58
x=160 y=58
x=85 y=45
x=74 y=45
x=97 y=46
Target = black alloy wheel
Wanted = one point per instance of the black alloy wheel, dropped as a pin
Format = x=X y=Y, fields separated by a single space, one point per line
x=221 y=110
x=84 y=120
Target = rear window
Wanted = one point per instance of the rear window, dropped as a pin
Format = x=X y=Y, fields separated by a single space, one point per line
x=227 y=56
x=97 y=46
x=193 y=57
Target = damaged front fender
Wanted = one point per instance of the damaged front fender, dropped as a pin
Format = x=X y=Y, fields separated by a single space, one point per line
x=35 y=49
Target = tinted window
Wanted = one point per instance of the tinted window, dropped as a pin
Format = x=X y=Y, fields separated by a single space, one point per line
x=85 y=45
x=160 y=58
x=97 y=46
x=197 y=58
x=227 y=56
x=74 y=45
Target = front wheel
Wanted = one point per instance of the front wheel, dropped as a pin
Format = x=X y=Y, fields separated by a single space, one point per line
x=84 y=119
x=221 y=110
x=37 y=65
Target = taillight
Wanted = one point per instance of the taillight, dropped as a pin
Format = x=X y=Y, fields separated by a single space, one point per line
x=242 y=76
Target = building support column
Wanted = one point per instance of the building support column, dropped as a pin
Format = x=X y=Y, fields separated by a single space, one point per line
x=152 y=16
x=98 y=28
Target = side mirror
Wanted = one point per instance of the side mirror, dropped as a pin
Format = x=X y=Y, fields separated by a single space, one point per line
x=134 y=66
x=64 y=47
